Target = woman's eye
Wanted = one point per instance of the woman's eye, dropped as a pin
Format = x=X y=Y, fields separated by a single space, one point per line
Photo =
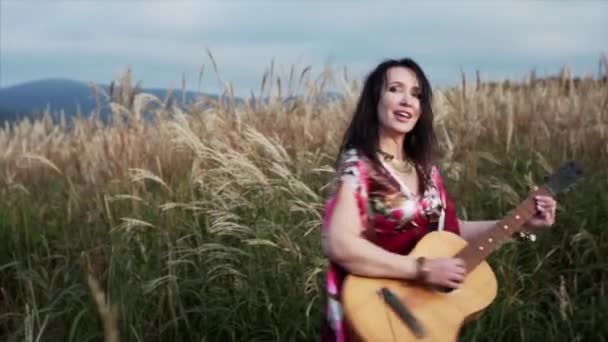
x=417 y=95
x=393 y=89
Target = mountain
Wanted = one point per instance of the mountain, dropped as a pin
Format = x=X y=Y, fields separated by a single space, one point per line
x=73 y=97
x=31 y=98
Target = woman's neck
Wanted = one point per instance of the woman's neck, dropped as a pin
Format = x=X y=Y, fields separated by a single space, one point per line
x=393 y=145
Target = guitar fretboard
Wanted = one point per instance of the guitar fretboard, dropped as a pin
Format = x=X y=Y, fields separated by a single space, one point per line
x=478 y=249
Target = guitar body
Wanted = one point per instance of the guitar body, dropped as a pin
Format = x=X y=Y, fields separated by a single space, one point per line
x=441 y=314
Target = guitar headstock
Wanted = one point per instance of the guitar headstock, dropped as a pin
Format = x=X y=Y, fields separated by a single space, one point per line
x=568 y=174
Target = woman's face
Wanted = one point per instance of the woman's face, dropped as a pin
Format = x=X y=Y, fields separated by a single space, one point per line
x=399 y=105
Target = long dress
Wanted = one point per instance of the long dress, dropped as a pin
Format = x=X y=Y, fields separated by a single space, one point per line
x=394 y=218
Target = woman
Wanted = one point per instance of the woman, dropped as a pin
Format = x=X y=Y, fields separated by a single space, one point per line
x=387 y=194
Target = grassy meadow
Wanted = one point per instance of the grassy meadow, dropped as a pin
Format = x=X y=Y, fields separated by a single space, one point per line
x=204 y=224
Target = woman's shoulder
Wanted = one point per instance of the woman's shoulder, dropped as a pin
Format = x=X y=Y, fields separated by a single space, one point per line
x=437 y=177
x=350 y=158
x=352 y=167
x=350 y=155
x=435 y=171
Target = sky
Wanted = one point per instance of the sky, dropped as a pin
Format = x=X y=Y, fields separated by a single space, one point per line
x=96 y=40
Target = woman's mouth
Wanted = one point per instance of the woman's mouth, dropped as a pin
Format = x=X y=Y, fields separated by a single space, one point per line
x=402 y=116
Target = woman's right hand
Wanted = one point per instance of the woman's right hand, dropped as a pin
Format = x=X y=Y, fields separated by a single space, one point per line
x=445 y=272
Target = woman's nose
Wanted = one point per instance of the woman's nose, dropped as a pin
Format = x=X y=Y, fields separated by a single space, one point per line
x=405 y=100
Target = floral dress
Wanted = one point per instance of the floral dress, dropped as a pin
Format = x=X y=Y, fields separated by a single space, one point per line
x=394 y=218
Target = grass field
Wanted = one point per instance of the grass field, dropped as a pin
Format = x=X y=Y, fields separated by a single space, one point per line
x=204 y=225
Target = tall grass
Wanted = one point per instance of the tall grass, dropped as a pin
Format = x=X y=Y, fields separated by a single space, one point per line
x=204 y=224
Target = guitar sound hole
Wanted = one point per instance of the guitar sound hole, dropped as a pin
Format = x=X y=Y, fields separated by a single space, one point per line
x=442 y=289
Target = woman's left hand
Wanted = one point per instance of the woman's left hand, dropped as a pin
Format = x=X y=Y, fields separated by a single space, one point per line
x=545 y=212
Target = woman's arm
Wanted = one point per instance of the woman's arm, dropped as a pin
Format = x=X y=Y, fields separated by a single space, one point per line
x=346 y=245
x=544 y=217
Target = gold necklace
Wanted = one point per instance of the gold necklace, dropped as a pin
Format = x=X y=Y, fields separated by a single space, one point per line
x=402 y=166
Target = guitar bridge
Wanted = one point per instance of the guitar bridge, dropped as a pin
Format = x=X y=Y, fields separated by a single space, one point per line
x=402 y=312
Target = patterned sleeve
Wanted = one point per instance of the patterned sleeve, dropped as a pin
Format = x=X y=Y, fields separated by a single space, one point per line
x=352 y=172
x=451 y=217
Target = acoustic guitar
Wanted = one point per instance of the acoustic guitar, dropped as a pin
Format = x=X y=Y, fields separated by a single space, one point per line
x=378 y=309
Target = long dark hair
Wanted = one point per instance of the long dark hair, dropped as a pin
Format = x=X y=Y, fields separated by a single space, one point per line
x=362 y=132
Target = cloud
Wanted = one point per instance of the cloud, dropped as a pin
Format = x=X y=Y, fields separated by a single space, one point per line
x=117 y=17
x=245 y=36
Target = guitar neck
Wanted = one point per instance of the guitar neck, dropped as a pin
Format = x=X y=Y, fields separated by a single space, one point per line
x=479 y=248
